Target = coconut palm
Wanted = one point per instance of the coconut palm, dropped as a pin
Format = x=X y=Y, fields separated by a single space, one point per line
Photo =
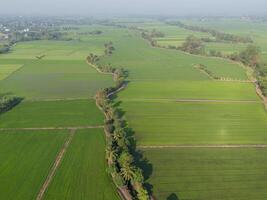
x=111 y=155
x=118 y=134
x=127 y=172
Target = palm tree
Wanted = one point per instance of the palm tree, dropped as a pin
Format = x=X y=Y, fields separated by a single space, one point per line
x=118 y=134
x=111 y=155
x=127 y=172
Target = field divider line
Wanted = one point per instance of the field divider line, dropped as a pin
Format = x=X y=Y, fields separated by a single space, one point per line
x=57 y=99
x=195 y=100
x=204 y=146
x=51 y=128
x=55 y=165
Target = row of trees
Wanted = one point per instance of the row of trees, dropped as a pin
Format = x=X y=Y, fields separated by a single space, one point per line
x=119 y=149
x=7 y=102
x=39 y=35
x=219 y=36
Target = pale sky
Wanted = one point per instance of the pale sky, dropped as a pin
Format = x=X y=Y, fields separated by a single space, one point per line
x=131 y=7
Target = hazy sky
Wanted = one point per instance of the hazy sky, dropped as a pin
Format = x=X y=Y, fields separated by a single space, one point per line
x=158 y=7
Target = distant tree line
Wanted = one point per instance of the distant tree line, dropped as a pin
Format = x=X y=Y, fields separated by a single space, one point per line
x=7 y=102
x=219 y=36
x=96 y=32
x=16 y=37
x=39 y=35
x=120 y=142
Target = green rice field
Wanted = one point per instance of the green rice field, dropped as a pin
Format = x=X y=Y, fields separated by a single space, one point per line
x=69 y=113
x=25 y=160
x=223 y=174
x=6 y=70
x=83 y=176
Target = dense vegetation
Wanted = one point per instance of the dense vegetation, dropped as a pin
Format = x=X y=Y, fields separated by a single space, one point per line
x=193 y=45
x=7 y=102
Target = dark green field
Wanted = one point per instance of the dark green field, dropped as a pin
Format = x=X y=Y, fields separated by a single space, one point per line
x=82 y=174
x=25 y=160
x=68 y=113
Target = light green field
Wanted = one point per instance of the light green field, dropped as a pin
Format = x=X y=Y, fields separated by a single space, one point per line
x=172 y=90
x=25 y=160
x=53 y=114
x=6 y=70
x=170 y=123
x=83 y=176
x=55 y=50
x=146 y=63
x=201 y=174
x=225 y=48
x=41 y=79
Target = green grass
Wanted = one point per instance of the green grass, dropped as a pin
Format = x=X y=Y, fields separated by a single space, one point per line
x=201 y=174
x=41 y=79
x=55 y=50
x=6 y=70
x=170 y=123
x=225 y=48
x=82 y=173
x=25 y=160
x=146 y=63
x=142 y=90
x=53 y=114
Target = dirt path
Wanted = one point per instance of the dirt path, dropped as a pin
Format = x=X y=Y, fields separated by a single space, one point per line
x=206 y=146
x=58 y=99
x=194 y=100
x=55 y=165
x=217 y=101
x=51 y=128
x=98 y=70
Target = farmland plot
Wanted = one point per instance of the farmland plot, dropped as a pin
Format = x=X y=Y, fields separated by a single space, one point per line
x=25 y=159
x=82 y=174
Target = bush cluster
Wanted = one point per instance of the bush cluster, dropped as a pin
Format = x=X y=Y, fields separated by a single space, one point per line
x=7 y=102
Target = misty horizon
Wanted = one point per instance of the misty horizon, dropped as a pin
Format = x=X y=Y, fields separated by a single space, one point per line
x=134 y=7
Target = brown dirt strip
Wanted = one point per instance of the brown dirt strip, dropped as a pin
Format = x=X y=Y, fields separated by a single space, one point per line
x=51 y=128
x=55 y=166
x=217 y=101
x=206 y=146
